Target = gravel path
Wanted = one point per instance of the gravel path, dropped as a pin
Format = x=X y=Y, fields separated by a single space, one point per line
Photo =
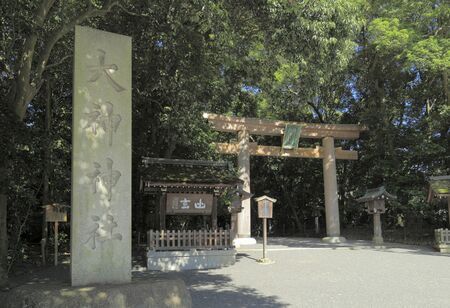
x=307 y=273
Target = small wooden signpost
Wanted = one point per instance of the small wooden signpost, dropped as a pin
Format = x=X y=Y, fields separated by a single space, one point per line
x=265 y=210
x=55 y=213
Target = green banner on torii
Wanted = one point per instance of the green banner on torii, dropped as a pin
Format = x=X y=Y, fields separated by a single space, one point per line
x=291 y=136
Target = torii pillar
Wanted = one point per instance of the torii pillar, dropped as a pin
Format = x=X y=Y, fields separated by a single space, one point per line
x=331 y=192
x=244 y=217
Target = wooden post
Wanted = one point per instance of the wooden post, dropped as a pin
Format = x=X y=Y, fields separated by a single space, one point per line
x=150 y=239
x=162 y=211
x=44 y=239
x=204 y=222
x=448 y=201
x=316 y=222
x=331 y=193
x=56 y=243
x=214 y=212
x=3 y=234
x=264 y=237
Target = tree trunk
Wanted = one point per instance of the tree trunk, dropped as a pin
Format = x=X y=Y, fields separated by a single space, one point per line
x=45 y=176
x=445 y=83
x=3 y=226
x=171 y=146
x=26 y=85
x=29 y=76
x=295 y=215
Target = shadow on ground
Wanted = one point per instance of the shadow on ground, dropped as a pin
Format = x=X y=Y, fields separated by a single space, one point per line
x=51 y=287
x=283 y=242
x=217 y=290
x=209 y=289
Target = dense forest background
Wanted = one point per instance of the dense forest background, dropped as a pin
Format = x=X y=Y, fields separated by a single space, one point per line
x=384 y=64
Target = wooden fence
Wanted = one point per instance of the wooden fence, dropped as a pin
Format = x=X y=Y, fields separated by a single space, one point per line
x=189 y=239
x=442 y=236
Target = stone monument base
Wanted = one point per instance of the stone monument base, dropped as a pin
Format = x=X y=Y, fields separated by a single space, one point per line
x=265 y=261
x=243 y=241
x=153 y=292
x=443 y=248
x=377 y=240
x=191 y=259
x=334 y=239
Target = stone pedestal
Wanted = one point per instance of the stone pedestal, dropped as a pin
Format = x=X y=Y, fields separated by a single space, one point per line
x=443 y=248
x=101 y=158
x=244 y=241
x=331 y=194
x=377 y=233
x=189 y=260
x=144 y=291
x=334 y=239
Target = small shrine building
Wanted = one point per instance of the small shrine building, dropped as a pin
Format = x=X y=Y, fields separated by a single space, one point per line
x=189 y=188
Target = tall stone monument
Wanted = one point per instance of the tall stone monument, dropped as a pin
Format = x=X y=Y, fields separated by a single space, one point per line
x=101 y=159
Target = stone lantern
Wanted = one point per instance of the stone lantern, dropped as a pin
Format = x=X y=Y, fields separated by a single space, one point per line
x=237 y=196
x=374 y=199
x=440 y=188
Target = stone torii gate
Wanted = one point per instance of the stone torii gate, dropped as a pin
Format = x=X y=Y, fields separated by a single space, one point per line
x=244 y=127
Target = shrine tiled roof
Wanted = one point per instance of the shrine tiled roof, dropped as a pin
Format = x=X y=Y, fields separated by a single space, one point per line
x=155 y=170
x=440 y=185
x=376 y=193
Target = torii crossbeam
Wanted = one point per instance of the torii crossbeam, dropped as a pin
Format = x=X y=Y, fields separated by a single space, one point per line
x=244 y=127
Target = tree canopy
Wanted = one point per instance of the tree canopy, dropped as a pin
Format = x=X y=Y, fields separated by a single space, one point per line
x=382 y=64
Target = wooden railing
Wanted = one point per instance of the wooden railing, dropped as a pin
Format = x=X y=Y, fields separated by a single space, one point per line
x=189 y=239
x=442 y=236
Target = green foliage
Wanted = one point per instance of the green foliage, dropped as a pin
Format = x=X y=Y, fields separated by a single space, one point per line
x=383 y=64
x=387 y=37
x=431 y=54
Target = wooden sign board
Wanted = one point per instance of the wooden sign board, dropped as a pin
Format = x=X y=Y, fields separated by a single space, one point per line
x=55 y=213
x=265 y=209
x=189 y=204
x=376 y=206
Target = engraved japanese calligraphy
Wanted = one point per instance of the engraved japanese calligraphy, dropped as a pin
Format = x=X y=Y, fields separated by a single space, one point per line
x=108 y=178
x=101 y=158
x=103 y=116
x=101 y=231
x=103 y=69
